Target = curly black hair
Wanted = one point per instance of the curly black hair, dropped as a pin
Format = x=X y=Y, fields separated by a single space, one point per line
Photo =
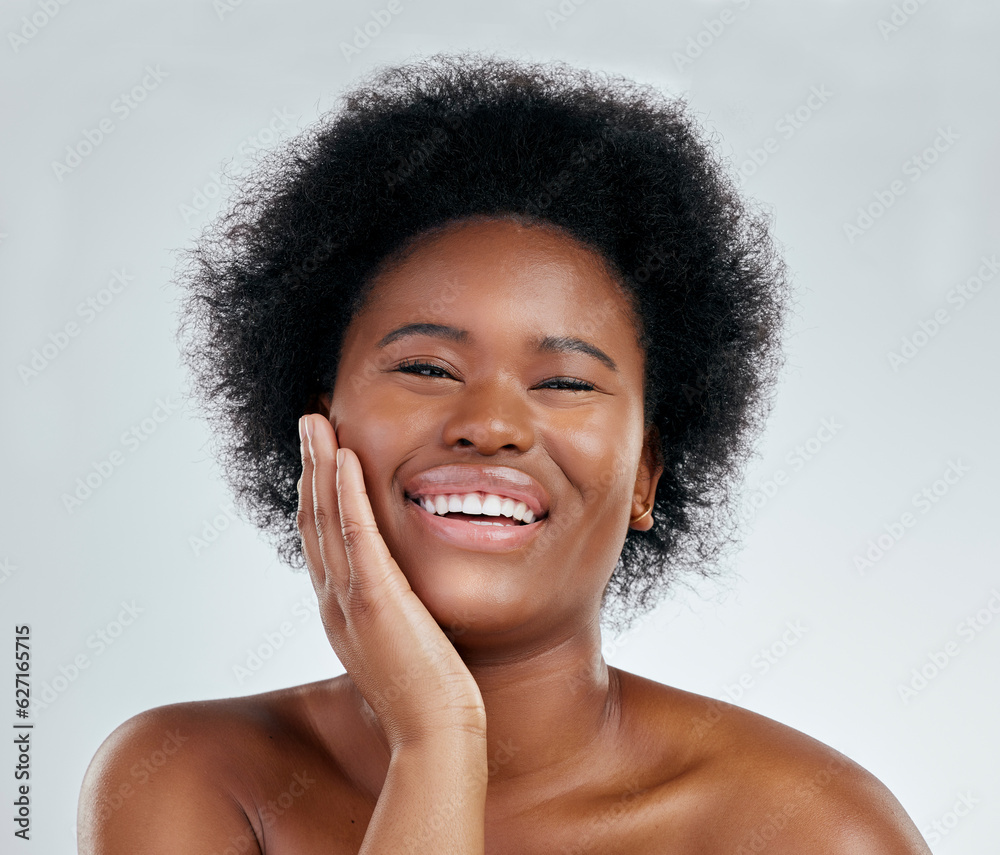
x=272 y=285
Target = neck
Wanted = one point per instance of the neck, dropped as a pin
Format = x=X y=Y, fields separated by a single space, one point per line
x=548 y=709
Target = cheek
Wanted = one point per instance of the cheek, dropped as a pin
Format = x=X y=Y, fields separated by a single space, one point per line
x=362 y=418
x=370 y=427
x=600 y=460
x=365 y=425
x=383 y=431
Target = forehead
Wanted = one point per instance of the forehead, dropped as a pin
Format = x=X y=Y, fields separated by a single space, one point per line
x=498 y=270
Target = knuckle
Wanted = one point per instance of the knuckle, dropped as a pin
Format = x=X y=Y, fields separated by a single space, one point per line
x=362 y=604
x=303 y=519
x=356 y=535
x=332 y=615
x=323 y=518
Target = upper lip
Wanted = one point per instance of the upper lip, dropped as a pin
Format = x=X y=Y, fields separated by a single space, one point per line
x=468 y=478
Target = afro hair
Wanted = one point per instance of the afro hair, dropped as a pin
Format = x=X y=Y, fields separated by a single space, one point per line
x=272 y=285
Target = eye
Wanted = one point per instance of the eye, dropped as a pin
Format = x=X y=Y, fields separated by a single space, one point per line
x=423 y=369
x=567 y=383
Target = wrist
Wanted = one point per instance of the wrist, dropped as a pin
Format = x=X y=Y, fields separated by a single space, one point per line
x=464 y=729
x=456 y=744
x=465 y=736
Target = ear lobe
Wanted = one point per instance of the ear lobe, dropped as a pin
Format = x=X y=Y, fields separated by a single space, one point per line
x=647 y=477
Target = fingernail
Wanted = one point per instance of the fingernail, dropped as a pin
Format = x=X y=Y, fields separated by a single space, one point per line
x=309 y=439
x=340 y=457
x=302 y=429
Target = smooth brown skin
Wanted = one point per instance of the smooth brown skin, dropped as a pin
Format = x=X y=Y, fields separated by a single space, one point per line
x=477 y=710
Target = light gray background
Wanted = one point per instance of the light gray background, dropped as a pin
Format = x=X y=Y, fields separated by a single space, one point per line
x=233 y=76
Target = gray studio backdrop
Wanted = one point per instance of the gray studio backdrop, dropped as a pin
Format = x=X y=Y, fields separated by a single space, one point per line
x=864 y=606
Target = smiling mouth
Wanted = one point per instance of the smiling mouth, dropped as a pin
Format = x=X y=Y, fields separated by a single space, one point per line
x=484 y=509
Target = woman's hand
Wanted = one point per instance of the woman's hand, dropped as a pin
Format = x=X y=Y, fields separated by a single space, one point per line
x=396 y=654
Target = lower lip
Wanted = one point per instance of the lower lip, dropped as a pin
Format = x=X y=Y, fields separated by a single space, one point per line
x=479 y=538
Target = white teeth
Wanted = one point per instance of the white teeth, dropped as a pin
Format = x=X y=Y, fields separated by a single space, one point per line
x=487 y=522
x=491 y=505
x=472 y=504
x=476 y=504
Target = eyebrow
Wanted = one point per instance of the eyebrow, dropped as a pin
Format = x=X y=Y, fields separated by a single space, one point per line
x=435 y=330
x=570 y=344
x=548 y=344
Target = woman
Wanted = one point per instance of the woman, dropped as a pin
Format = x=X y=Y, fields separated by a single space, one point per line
x=526 y=329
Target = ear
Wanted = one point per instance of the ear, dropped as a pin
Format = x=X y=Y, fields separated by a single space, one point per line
x=647 y=477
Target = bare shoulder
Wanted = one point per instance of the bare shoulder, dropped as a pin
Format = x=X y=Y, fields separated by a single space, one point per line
x=203 y=776
x=763 y=785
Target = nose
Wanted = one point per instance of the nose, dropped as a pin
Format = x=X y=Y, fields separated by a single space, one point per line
x=490 y=417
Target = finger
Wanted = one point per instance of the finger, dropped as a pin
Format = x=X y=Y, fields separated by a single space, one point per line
x=305 y=517
x=372 y=567
x=322 y=446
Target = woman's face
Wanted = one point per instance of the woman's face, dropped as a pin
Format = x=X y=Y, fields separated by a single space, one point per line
x=498 y=358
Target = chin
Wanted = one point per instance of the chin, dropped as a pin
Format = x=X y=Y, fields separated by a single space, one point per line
x=483 y=595
x=469 y=598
